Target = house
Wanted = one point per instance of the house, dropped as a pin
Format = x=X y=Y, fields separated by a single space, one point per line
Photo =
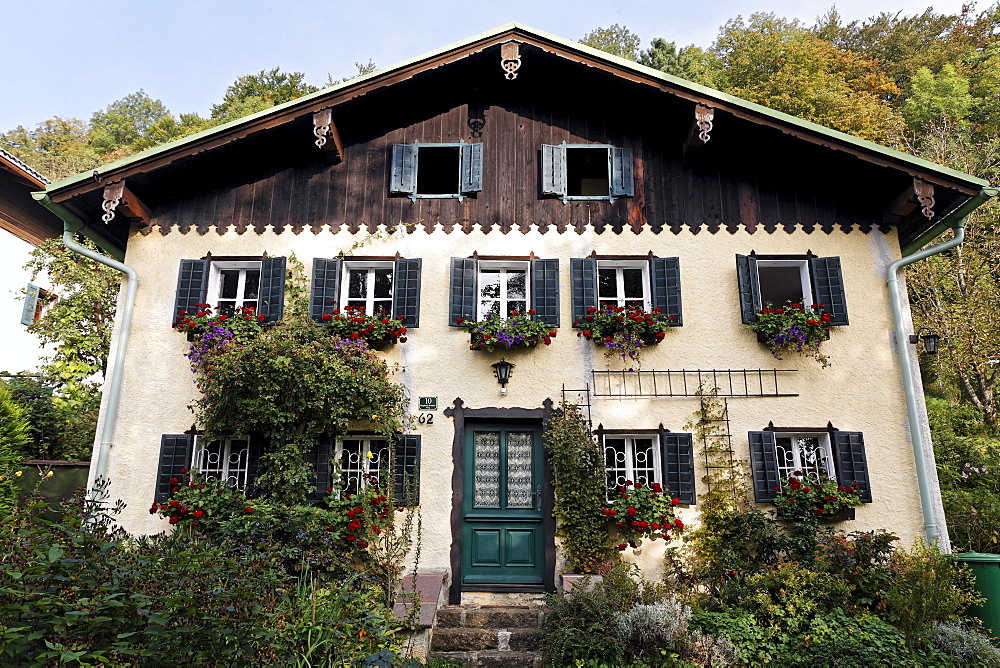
x=516 y=170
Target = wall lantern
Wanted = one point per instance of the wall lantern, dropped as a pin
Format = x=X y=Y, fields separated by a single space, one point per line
x=502 y=370
x=930 y=340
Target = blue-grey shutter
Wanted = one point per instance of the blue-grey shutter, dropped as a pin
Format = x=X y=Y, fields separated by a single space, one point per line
x=403 y=177
x=583 y=284
x=319 y=459
x=406 y=291
x=851 y=463
x=463 y=290
x=545 y=291
x=828 y=288
x=407 y=474
x=191 y=285
x=272 y=289
x=749 y=284
x=677 y=458
x=175 y=454
x=622 y=184
x=31 y=304
x=325 y=287
x=255 y=448
x=472 y=168
x=553 y=170
x=665 y=275
x=764 y=466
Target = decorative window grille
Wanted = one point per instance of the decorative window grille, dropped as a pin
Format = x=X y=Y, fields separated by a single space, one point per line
x=630 y=458
x=363 y=455
x=369 y=286
x=621 y=284
x=808 y=453
x=225 y=460
x=503 y=289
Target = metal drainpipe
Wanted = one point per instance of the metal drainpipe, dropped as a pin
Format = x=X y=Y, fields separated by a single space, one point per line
x=959 y=216
x=71 y=225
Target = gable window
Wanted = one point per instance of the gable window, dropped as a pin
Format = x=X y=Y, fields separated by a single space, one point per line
x=776 y=453
x=449 y=170
x=500 y=286
x=587 y=171
x=227 y=460
x=623 y=283
x=647 y=283
x=649 y=456
x=231 y=283
x=380 y=285
x=503 y=289
x=779 y=280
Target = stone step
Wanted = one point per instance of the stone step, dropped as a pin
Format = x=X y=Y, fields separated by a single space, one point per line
x=478 y=639
x=488 y=617
x=490 y=658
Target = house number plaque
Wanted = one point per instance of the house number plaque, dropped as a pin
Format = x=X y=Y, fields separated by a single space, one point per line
x=427 y=404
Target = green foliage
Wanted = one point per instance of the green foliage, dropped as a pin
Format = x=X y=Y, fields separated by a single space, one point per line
x=579 y=484
x=689 y=62
x=615 y=39
x=255 y=92
x=862 y=559
x=653 y=630
x=127 y=125
x=943 y=97
x=56 y=147
x=808 y=498
x=622 y=332
x=968 y=646
x=927 y=587
x=55 y=430
x=643 y=512
x=794 y=328
x=520 y=330
x=582 y=626
x=13 y=442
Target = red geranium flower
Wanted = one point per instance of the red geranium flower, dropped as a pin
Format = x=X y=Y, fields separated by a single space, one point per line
x=248 y=509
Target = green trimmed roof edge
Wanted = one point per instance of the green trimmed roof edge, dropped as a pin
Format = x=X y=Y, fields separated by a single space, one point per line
x=703 y=91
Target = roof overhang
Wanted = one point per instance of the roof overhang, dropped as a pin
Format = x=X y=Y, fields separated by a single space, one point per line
x=19 y=215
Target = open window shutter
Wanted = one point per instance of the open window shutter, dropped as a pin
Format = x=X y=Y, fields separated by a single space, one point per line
x=852 y=465
x=764 y=466
x=463 y=290
x=665 y=275
x=828 y=288
x=325 y=288
x=191 y=285
x=31 y=303
x=553 y=170
x=677 y=458
x=545 y=291
x=472 y=168
x=272 y=288
x=319 y=460
x=255 y=448
x=175 y=454
x=407 y=474
x=746 y=272
x=583 y=280
x=406 y=291
x=403 y=178
x=622 y=184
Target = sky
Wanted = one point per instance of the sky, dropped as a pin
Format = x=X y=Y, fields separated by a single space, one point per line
x=69 y=58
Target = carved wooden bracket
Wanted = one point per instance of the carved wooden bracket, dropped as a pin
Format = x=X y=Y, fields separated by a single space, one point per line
x=112 y=198
x=327 y=137
x=510 y=59
x=925 y=195
x=117 y=195
x=701 y=128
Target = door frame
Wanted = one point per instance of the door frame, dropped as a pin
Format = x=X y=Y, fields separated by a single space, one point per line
x=461 y=416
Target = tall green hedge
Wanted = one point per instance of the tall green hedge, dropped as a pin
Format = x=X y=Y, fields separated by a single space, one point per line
x=13 y=440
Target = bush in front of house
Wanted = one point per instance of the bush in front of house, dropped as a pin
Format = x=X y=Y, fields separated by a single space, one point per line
x=13 y=442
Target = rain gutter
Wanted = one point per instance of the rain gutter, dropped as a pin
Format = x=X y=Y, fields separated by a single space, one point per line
x=71 y=225
x=955 y=221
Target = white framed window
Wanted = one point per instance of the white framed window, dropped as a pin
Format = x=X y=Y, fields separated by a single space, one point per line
x=359 y=456
x=226 y=460
x=233 y=284
x=623 y=283
x=784 y=281
x=368 y=285
x=809 y=453
x=631 y=457
x=504 y=287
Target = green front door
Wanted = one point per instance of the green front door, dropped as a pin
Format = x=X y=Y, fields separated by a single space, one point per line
x=502 y=532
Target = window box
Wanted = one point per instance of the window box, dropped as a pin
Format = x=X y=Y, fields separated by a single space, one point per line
x=845 y=515
x=776 y=280
x=377 y=285
x=496 y=288
x=228 y=284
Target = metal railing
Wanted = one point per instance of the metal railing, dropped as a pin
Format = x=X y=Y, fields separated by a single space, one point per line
x=687 y=383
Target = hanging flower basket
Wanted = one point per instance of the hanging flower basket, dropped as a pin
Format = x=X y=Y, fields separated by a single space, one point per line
x=811 y=496
x=520 y=330
x=794 y=329
x=623 y=332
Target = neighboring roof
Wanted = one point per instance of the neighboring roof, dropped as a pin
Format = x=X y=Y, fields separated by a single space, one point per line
x=307 y=103
x=19 y=214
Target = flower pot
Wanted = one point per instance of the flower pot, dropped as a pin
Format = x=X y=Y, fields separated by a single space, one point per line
x=841 y=516
x=382 y=343
x=477 y=343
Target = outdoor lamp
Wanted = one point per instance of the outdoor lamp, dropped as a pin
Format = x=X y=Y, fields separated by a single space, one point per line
x=502 y=370
x=930 y=340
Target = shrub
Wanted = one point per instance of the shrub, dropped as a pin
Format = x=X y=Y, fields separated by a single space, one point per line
x=852 y=642
x=927 y=587
x=968 y=645
x=581 y=626
x=13 y=441
x=863 y=560
x=651 y=630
